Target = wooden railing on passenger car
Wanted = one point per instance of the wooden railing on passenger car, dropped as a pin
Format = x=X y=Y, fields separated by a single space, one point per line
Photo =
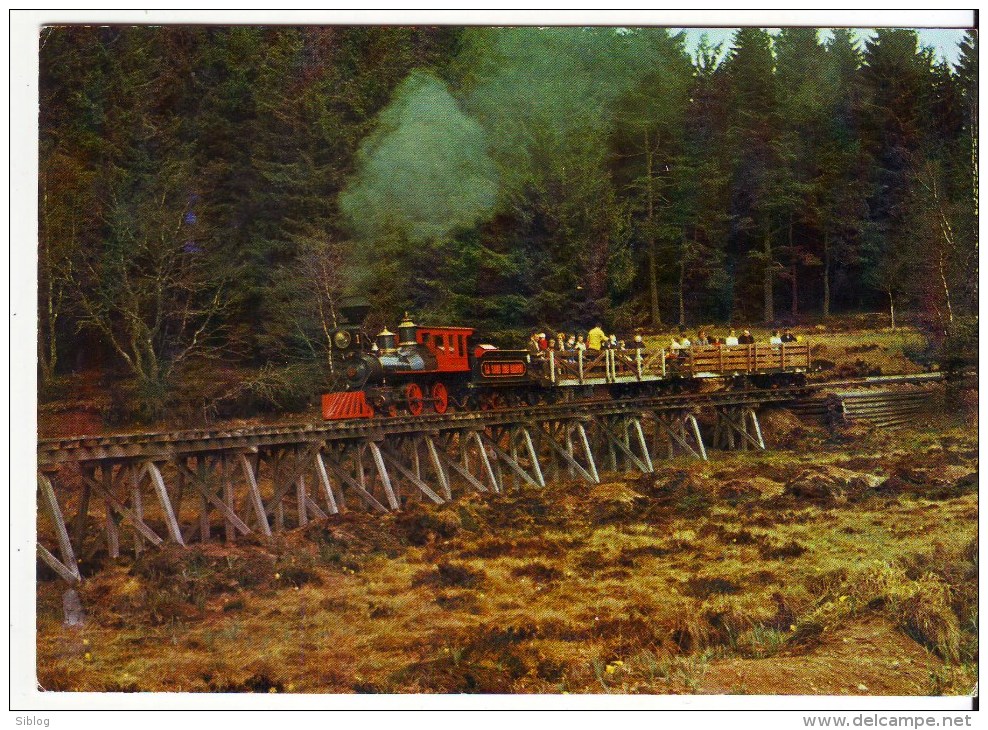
x=722 y=359
x=617 y=366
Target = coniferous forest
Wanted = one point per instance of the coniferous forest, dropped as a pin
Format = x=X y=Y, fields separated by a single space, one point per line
x=208 y=194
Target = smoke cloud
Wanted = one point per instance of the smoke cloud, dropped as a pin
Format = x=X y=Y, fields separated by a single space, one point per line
x=524 y=98
x=425 y=171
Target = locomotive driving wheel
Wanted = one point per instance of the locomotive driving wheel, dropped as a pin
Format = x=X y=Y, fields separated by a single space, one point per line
x=440 y=398
x=414 y=399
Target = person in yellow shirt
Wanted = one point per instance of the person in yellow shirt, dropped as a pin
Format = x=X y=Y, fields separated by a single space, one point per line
x=595 y=338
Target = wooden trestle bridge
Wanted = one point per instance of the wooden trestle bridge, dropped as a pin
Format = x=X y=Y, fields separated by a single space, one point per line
x=182 y=487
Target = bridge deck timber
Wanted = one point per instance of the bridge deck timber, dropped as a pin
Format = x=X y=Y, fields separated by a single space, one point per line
x=149 y=489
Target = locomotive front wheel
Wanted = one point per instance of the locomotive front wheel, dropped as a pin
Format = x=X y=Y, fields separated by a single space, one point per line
x=413 y=398
x=440 y=398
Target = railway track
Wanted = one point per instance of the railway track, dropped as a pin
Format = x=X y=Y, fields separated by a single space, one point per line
x=162 y=444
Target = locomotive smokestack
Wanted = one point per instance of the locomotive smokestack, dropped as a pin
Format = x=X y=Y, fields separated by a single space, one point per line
x=407 y=331
x=354 y=309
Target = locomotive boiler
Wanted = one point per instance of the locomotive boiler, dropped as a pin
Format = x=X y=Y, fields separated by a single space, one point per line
x=418 y=368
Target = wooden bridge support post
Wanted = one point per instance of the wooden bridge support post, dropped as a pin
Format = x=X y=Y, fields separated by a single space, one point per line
x=394 y=459
x=158 y=482
x=533 y=456
x=587 y=452
x=136 y=505
x=82 y=516
x=254 y=494
x=437 y=465
x=617 y=433
x=201 y=467
x=511 y=461
x=732 y=429
x=382 y=472
x=110 y=520
x=67 y=568
x=229 y=532
x=485 y=461
x=679 y=427
x=327 y=488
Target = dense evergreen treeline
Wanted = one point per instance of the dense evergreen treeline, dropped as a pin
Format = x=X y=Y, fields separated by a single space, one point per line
x=214 y=191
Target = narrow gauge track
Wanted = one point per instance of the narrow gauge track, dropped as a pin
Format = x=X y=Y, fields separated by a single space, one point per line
x=165 y=444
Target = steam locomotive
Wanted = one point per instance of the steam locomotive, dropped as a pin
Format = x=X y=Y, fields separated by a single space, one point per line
x=439 y=368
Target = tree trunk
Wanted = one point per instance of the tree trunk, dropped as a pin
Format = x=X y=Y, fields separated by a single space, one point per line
x=653 y=264
x=682 y=290
x=653 y=281
x=892 y=308
x=795 y=292
x=795 y=284
x=682 y=284
x=826 y=274
x=768 y=284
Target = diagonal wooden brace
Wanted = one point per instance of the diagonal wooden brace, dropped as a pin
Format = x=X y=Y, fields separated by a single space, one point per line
x=567 y=457
x=224 y=509
x=326 y=486
x=434 y=455
x=485 y=460
x=128 y=514
x=369 y=498
x=255 y=494
x=393 y=459
x=382 y=471
x=64 y=544
x=625 y=449
x=166 y=506
x=737 y=426
x=461 y=470
x=291 y=479
x=511 y=463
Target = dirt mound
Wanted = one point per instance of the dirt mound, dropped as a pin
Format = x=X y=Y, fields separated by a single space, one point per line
x=421 y=525
x=683 y=492
x=785 y=430
x=738 y=490
x=830 y=484
x=452 y=575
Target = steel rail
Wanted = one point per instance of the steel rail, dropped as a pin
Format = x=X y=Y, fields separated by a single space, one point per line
x=163 y=445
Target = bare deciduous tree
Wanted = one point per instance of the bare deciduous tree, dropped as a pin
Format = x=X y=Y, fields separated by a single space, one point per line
x=151 y=292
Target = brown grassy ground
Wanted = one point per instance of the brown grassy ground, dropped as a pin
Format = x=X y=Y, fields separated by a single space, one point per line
x=704 y=578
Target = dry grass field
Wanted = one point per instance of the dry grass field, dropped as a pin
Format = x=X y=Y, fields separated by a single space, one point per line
x=821 y=567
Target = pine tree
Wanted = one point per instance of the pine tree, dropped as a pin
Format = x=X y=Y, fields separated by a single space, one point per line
x=759 y=194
